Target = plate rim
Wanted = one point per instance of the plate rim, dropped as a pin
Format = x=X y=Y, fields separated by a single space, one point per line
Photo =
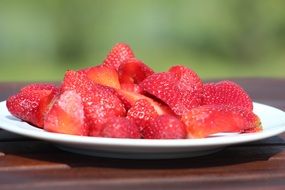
x=145 y=143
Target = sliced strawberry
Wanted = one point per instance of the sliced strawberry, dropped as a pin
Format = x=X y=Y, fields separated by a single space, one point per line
x=209 y=119
x=133 y=71
x=165 y=127
x=99 y=101
x=67 y=115
x=188 y=80
x=142 y=113
x=131 y=87
x=176 y=89
x=120 y=127
x=30 y=105
x=119 y=53
x=129 y=98
x=103 y=75
x=226 y=93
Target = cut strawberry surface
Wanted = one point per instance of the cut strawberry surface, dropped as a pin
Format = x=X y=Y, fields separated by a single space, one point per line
x=133 y=71
x=99 y=101
x=103 y=75
x=119 y=53
x=226 y=93
x=131 y=87
x=67 y=115
x=129 y=98
x=210 y=119
x=165 y=127
x=31 y=105
x=120 y=127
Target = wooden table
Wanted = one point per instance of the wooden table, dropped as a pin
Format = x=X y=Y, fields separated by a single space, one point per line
x=31 y=164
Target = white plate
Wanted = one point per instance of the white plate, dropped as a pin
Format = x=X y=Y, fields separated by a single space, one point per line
x=273 y=121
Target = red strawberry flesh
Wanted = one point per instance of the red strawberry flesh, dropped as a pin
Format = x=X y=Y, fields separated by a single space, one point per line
x=133 y=71
x=99 y=101
x=103 y=75
x=210 y=119
x=67 y=115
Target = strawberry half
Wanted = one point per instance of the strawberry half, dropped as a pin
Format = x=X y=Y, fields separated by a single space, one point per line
x=119 y=53
x=180 y=88
x=131 y=87
x=210 y=119
x=226 y=93
x=120 y=127
x=165 y=127
x=67 y=115
x=142 y=113
x=133 y=71
x=129 y=99
x=103 y=75
x=100 y=102
x=187 y=79
x=32 y=103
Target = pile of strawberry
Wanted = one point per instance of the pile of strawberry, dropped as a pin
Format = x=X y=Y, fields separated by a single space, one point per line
x=125 y=98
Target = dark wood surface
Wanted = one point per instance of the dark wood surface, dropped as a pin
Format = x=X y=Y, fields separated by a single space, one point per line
x=31 y=164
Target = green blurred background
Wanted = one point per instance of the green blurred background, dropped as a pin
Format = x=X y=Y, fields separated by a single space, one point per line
x=40 y=39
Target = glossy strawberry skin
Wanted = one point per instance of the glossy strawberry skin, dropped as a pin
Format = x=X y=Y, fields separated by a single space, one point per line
x=120 y=127
x=226 y=93
x=67 y=115
x=176 y=90
x=119 y=53
x=165 y=127
x=99 y=101
x=142 y=113
x=133 y=71
x=39 y=86
x=188 y=80
x=209 y=119
x=31 y=103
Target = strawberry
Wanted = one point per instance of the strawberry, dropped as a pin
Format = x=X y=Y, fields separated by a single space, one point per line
x=180 y=89
x=103 y=75
x=119 y=53
x=39 y=86
x=142 y=113
x=129 y=98
x=226 y=93
x=133 y=71
x=99 y=101
x=209 y=119
x=120 y=127
x=187 y=79
x=131 y=87
x=31 y=104
x=67 y=115
x=165 y=127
